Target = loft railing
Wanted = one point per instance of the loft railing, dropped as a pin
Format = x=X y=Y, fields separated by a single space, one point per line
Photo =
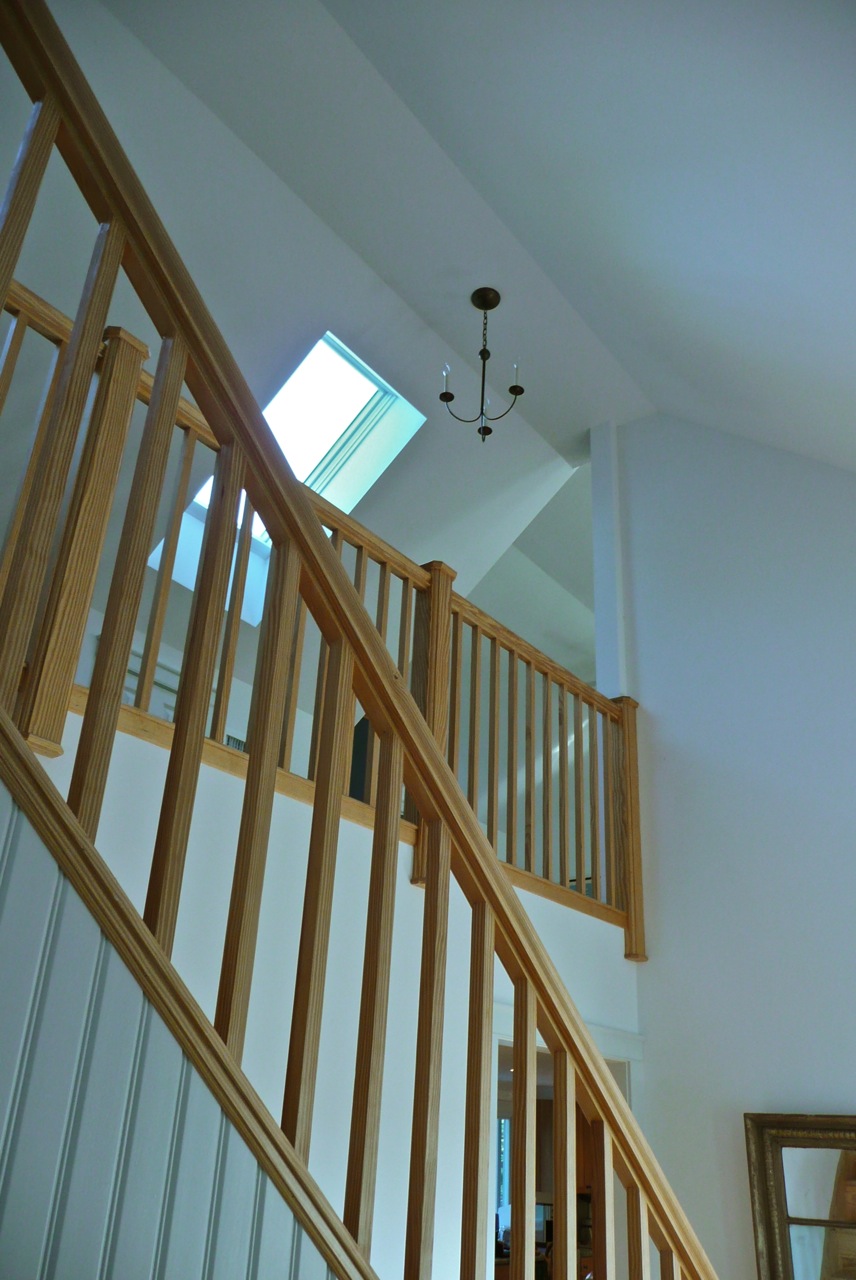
x=49 y=577
x=546 y=762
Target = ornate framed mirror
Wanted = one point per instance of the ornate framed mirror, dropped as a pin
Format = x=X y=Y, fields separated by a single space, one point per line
x=802 y=1177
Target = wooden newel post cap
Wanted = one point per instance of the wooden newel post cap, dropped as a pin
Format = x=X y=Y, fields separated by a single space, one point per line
x=438 y=567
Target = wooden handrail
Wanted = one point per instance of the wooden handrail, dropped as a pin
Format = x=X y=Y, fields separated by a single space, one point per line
x=454 y=839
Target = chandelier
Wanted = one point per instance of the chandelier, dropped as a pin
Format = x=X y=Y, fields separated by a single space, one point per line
x=484 y=300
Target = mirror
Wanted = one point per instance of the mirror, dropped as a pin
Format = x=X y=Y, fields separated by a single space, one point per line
x=802 y=1173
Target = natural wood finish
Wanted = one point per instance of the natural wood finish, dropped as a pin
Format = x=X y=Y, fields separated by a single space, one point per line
x=374 y=1002
x=31 y=552
x=419 y=1240
x=547 y=779
x=610 y=733
x=163 y=585
x=564 y=793
x=405 y=630
x=359 y=536
x=333 y=743
x=160 y=733
x=382 y=624
x=626 y=827
x=579 y=801
x=232 y=629
x=493 y=749
x=564 y=1169
x=455 y=691
x=529 y=832
x=263 y=736
x=511 y=855
x=11 y=351
x=594 y=805
x=294 y=668
x=527 y=652
x=474 y=727
x=34 y=464
x=668 y=1266
x=603 y=1201
x=118 y=920
x=477 y=1184
x=39 y=315
x=52 y=667
x=430 y=674
x=638 y=1249
x=536 y=884
x=321 y=679
x=24 y=184
x=194 y=697
x=92 y=761
x=523 y=1094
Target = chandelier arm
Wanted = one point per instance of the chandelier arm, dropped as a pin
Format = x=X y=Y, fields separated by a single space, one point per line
x=467 y=421
x=500 y=415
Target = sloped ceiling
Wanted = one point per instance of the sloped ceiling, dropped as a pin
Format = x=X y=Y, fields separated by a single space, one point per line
x=664 y=191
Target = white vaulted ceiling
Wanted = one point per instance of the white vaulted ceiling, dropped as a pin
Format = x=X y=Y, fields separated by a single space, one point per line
x=664 y=193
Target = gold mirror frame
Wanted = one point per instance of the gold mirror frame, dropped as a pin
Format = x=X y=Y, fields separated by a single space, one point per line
x=766 y=1135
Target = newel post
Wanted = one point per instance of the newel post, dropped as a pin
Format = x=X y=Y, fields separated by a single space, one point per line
x=628 y=850
x=430 y=674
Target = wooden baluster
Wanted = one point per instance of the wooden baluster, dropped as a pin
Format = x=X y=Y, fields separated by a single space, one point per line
x=34 y=464
x=263 y=736
x=24 y=184
x=92 y=760
x=529 y=796
x=419 y=1242
x=613 y=893
x=321 y=680
x=579 y=798
x=54 y=663
x=160 y=600
x=293 y=687
x=232 y=629
x=430 y=677
x=382 y=624
x=564 y=1168
x=668 y=1265
x=374 y=1002
x=11 y=351
x=194 y=699
x=360 y=567
x=626 y=828
x=477 y=1118
x=603 y=1202
x=594 y=804
x=547 y=778
x=405 y=629
x=639 y=1252
x=493 y=749
x=333 y=742
x=523 y=1095
x=31 y=553
x=511 y=778
x=564 y=792
x=473 y=743
x=456 y=693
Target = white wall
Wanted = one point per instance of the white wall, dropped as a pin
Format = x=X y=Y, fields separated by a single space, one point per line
x=115 y=1159
x=741 y=611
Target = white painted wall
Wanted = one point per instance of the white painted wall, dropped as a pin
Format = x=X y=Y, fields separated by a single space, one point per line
x=115 y=1159
x=741 y=613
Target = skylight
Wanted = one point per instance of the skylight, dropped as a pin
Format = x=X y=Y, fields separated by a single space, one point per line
x=338 y=424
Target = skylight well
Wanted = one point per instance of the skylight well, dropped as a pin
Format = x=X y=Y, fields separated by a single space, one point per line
x=339 y=425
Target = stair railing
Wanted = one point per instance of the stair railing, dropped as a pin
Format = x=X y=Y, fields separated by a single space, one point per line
x=54 y=561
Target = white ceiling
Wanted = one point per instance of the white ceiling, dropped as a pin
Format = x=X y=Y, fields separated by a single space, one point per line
x=664 y=192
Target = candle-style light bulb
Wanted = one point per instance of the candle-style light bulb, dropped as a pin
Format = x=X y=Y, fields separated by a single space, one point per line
x=446 y=371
